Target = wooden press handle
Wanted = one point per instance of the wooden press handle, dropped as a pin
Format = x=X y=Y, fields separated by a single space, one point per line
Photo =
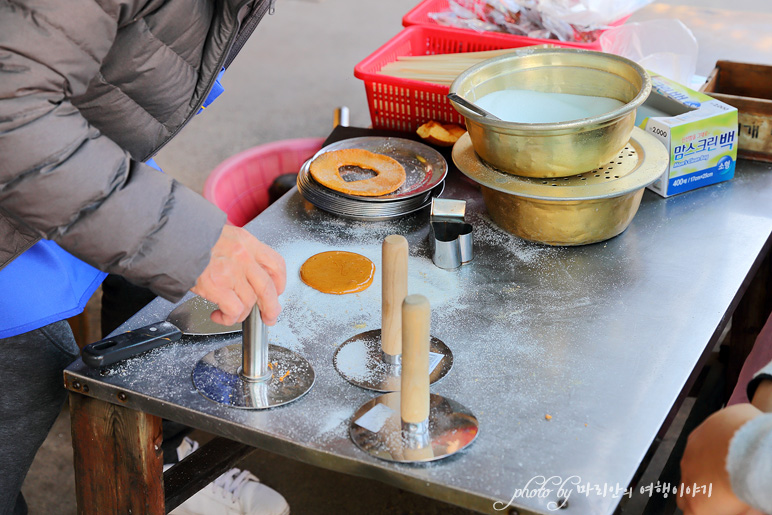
x=394 y=273
x=414 y=399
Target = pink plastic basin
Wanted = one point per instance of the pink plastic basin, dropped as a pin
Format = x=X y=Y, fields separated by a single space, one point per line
x=239 y=185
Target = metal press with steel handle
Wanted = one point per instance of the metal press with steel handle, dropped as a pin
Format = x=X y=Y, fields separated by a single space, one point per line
x=413 y=425
x=253 y=374
x=382 y=349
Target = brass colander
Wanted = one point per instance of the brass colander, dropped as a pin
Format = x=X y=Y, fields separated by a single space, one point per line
x=575 y=210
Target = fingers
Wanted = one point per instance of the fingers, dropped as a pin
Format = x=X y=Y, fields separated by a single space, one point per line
x=267 y=297
x=231 y=307
x=272 y=262
x=247 y=298
x=242 y=272
x=218 y=317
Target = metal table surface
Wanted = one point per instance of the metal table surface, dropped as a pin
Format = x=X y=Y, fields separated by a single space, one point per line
x=601 y=337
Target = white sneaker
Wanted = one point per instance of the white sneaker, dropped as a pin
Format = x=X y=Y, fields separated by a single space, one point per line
x=236 y=492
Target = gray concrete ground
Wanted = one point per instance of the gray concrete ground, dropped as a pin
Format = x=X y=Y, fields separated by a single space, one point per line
x=286 y=83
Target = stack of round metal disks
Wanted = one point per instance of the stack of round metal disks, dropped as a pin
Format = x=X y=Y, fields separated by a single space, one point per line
x=425 y=171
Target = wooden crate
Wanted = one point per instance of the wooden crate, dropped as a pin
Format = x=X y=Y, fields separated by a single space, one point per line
x=748 y=87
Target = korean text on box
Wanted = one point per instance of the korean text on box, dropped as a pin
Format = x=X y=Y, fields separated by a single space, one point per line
x=699 y=131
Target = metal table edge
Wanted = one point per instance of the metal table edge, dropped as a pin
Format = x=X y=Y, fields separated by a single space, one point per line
x=81 y=384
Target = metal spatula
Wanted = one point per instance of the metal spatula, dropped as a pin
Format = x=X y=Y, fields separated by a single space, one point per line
x=190 y=318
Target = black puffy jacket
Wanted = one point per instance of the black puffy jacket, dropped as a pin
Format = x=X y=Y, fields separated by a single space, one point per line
x=89 y=89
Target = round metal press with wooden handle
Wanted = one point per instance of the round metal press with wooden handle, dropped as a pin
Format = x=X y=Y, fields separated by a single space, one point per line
x=413 y=425
x=253 y=374
x=382 y=348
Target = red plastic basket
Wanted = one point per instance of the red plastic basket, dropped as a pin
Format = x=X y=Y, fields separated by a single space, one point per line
x=419 y=15
x=405 y=104
x=239 y=185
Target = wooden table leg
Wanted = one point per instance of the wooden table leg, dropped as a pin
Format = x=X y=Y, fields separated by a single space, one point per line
x=749 y=318
x=118 y=458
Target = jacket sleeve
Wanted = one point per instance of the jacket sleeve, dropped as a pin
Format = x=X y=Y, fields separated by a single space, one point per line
x=763 y=374
x=749 y=463
x=63 y=178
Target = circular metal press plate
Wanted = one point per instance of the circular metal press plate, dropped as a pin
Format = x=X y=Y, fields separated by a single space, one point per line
x=451 y=428
x=424 y=167
x=641 y=162
x=360 y=361
x=216 y=377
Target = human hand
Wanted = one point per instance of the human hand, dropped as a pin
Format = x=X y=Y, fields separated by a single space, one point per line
x=241 y=271
x=704 y=463
x=762 y=399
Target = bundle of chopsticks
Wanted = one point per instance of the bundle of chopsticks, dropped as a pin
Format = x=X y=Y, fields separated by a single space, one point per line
x=440 y=68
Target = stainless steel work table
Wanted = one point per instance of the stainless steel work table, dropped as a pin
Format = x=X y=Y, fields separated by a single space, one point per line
x=604 y=338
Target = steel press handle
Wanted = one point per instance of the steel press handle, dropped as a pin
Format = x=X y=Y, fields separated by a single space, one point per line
x=254 y=365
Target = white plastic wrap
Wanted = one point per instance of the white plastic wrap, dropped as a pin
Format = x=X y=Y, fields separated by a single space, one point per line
x=665 y=46
x=566 y=20
x=589 y=13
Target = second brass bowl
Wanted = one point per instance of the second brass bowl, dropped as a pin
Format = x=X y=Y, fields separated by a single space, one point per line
x=562 y=222
x=553 y=149
x=577 y=210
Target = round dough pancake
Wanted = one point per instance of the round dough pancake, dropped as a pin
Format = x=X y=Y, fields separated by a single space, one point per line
x=390 y=175
x=338 y=272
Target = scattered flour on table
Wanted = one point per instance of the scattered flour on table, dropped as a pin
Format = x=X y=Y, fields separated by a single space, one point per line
x=333 y=424
x=315 y=324
x=308 y=313
x=320 y=227
x=487 y=232
x=165 y=365
x=355 y=360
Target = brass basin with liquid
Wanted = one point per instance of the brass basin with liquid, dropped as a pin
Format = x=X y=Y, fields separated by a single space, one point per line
x=553 y=149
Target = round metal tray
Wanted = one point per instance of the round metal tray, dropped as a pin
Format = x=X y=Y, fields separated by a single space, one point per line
x=641 y=162
x=424 y=167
